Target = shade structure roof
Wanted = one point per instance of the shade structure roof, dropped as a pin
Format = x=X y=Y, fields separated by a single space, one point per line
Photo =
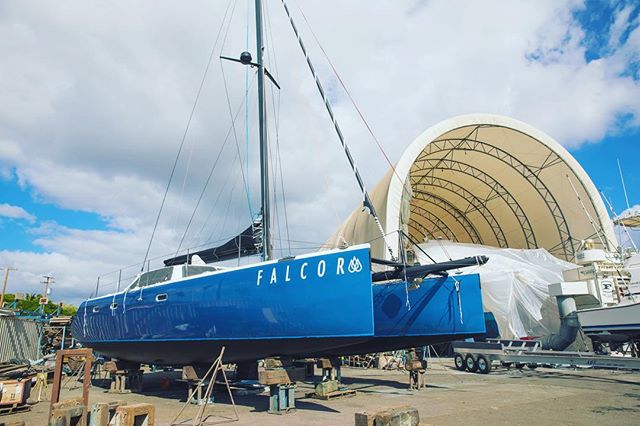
x=485 y=179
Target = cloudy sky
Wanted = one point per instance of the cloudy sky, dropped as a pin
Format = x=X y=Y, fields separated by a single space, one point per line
x=95 y=97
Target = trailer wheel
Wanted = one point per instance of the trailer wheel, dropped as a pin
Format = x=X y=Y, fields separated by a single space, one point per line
x=471 y=363
x=484 y=365
x=458 y=360
x=506 y=364
x=519 y=365
x=532 y=366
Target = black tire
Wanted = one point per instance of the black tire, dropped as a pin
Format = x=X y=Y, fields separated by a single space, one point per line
x=506 y=364
x=484 y=365
x=458 y=361
x=532 y=366
x=520 y=365
x=470 y=363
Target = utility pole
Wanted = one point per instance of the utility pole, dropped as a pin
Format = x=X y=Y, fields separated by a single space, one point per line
x=48 y=280
x=4 y=285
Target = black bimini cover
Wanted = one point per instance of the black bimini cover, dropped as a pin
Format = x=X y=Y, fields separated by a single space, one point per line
x=242 y=245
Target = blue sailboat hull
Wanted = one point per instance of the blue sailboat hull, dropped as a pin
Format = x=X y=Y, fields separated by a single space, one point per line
x=321 y=305
x=438 y=310
x=293 y=306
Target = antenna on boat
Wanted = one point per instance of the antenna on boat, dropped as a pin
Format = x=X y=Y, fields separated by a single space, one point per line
x=624 y=188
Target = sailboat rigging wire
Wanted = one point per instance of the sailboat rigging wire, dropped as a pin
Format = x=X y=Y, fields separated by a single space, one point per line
x=412 y=241
x=353 y=102
x=235 y=137
x=206 y=184
x=584 y=208
x=624 y=187
x=186 y=130
x=271 y=53
x=367 y=201
x=622 y=225
x=246 y=112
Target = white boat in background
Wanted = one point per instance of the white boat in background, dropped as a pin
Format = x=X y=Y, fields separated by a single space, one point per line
x=619 y=323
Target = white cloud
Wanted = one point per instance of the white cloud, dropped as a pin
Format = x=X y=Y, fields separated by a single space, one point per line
x=16 y=212
x=96 y=96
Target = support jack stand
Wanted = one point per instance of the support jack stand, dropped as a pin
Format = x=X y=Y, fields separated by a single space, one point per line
x=200 y=419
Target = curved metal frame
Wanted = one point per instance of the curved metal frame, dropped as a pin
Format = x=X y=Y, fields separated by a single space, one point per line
x=455 y=212
x=475 y=204
x=475 y=145
x=431 y=165
x=435 y=221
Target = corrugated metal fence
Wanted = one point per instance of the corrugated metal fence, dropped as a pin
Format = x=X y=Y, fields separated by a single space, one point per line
x=18 y=339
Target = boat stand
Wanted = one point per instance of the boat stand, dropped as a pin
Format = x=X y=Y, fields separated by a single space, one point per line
x=281 y=376
x=87 y=353
x=210 y=377
x=331 y=369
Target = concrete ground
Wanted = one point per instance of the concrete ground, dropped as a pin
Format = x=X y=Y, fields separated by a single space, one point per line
x=513 y=397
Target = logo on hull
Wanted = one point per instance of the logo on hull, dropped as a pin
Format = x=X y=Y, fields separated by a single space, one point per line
x=304 y=270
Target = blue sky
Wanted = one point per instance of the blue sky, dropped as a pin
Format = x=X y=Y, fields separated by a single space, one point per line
x=18 y=234
x=94 y=101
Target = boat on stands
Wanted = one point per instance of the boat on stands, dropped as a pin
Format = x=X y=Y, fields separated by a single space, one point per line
x=322 y=303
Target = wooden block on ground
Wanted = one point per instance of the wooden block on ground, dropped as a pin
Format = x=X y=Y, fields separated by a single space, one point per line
x=325 y=388
x=364 y=419
x=101 y=413
x=398 y=416
x=135 y=415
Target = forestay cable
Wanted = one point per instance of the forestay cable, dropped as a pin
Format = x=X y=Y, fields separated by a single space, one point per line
x=367 y=201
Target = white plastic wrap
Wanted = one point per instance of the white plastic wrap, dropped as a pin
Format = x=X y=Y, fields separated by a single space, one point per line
x=515 y=284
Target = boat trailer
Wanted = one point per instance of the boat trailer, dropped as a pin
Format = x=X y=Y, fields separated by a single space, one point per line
x=478 y=357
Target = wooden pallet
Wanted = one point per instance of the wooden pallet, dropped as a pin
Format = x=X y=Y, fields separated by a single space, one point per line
x=12 y=409
x=332 y=395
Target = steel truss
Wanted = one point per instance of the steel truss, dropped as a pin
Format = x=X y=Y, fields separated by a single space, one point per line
x=434 y=220
x=457 y=214
x=528 y=172
x=474 y=204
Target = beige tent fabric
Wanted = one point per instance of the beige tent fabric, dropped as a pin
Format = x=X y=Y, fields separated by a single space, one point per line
x=485 y=179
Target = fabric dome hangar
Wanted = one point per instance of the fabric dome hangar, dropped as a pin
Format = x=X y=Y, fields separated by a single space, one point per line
x=488 y=180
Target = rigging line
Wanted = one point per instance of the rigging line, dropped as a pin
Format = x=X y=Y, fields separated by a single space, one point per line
x=213 y=167
x=246 y=112
x=367 y=201
x=591 y=221
x=623 y=226
x=235 y=137
x=225 y=217
x=184 y=135
x=411 y=240
x=353 y=102
x=214 y=205
x=271 y=53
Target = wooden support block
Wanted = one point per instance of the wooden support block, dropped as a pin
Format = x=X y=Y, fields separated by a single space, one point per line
x=189 y=373
x=102 y=413
x=398 y=416
x=281 y=376
x=68 y=416
x=324 y=363
x=364 y=419
x=110 y=367
x=325 y=388
x=135 y=415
